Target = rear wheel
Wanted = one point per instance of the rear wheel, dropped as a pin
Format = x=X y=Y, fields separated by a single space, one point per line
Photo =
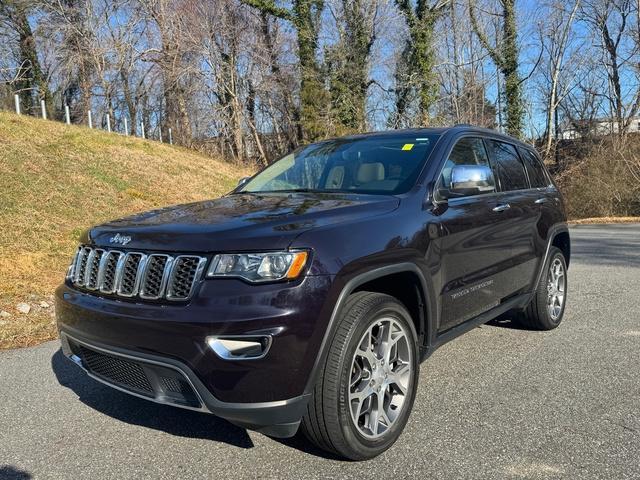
x=364 y=395
x=546 y=308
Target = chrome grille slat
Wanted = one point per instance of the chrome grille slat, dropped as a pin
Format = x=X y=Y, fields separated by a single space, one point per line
x=185 y=271
x=92 y=269
x=134 y=274
x=81 y=264
x=108 y=273
x=155 y=276
x=129 y=281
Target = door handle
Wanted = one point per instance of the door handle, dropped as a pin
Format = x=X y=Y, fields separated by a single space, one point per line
x=542 y=200
x=502 y=207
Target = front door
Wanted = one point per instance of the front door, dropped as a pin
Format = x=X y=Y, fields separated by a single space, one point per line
x=473 y=246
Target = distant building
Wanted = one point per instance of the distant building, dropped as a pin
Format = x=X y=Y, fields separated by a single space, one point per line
x=595 y=128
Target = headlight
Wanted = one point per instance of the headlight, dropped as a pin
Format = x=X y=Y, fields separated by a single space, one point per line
x=258 y=267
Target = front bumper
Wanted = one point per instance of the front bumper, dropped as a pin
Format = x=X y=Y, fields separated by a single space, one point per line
x=266 y=394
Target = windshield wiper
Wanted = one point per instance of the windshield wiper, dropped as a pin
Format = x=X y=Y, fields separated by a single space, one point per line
x=301 y=190
x=286 y=190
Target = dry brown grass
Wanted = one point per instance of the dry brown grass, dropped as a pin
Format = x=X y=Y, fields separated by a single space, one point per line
x=55 y=181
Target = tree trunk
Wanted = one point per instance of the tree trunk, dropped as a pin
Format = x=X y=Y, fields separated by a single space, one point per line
x=31 y=85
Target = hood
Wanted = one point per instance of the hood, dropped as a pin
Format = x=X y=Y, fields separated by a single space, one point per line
x=237 y=222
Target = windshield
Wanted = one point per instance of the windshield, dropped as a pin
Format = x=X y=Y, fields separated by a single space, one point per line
x=387 y=165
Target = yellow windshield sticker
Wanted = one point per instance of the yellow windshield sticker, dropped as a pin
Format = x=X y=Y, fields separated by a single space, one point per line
x=407 y=147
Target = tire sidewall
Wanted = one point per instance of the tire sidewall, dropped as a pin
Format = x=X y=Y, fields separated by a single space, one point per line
x=365 y=447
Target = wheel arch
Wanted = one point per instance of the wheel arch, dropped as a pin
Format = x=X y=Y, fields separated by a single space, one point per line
x=406 y=286
x=421 y=301
x=562 y=241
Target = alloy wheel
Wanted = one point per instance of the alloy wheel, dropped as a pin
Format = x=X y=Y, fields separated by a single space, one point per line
x=556 y=289
x=380 y=377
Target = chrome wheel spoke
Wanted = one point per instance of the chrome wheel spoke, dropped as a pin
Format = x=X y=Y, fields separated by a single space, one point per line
x=399 y=378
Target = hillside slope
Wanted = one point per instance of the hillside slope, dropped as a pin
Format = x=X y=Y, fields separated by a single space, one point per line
x=55 y=181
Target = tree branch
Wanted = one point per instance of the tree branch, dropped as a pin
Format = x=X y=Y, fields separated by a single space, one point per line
x=269 y=6
x=493 y=53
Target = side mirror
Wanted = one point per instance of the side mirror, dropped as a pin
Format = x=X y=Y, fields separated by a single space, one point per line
x=469 y=180
x=242 y=181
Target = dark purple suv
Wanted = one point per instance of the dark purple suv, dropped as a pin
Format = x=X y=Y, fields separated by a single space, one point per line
x=308 y=296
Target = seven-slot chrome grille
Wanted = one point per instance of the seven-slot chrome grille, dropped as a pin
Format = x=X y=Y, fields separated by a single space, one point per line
x=134 y=274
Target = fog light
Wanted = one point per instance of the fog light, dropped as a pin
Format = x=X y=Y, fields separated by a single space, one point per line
x=240 y=347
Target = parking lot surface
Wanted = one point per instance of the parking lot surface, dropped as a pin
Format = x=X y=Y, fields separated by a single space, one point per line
x=498 y=402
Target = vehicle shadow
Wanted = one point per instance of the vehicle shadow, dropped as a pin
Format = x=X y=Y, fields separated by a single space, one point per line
x=174 y=421
x=506 y=321
x=300 y=442
x=8 y=472
x=137 y=411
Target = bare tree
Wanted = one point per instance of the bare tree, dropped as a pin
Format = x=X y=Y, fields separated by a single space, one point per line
x=305 y=16
x=418 y=59
x=555 y=35
x=505 y=54
x=348 y=62
x=464 y=83
x=174 y=61
x=29 y=80
x=610 y=20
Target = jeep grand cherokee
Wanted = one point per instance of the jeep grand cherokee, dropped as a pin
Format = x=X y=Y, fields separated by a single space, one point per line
x=308 y=297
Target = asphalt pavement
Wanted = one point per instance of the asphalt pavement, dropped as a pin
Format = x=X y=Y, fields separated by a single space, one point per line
x=498 y=402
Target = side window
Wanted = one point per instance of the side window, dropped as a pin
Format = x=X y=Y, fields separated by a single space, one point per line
x=537 y=176
x=468 y=151
x=507 y=166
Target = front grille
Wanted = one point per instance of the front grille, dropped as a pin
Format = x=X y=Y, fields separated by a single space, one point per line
x=131 y=274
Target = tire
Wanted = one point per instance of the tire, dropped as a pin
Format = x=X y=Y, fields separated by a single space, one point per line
x=538 y=314
x=329 y=421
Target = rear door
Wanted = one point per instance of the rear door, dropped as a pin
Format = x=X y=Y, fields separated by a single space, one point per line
x=543 y=197
x=517 y=201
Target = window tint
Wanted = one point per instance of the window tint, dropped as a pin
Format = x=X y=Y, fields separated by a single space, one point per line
x=537 y=177
x=468 y=151
x=508 y=167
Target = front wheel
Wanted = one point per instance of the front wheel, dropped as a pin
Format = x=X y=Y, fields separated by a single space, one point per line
x=546 y=308
x=364 y=395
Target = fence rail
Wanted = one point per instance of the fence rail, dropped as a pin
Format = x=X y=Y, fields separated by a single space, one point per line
x=107 y=117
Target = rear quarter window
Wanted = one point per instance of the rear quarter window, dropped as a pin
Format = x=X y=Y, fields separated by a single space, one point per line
x=537 y=175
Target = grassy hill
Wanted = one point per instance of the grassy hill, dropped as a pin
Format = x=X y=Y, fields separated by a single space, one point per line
x=55 y=181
